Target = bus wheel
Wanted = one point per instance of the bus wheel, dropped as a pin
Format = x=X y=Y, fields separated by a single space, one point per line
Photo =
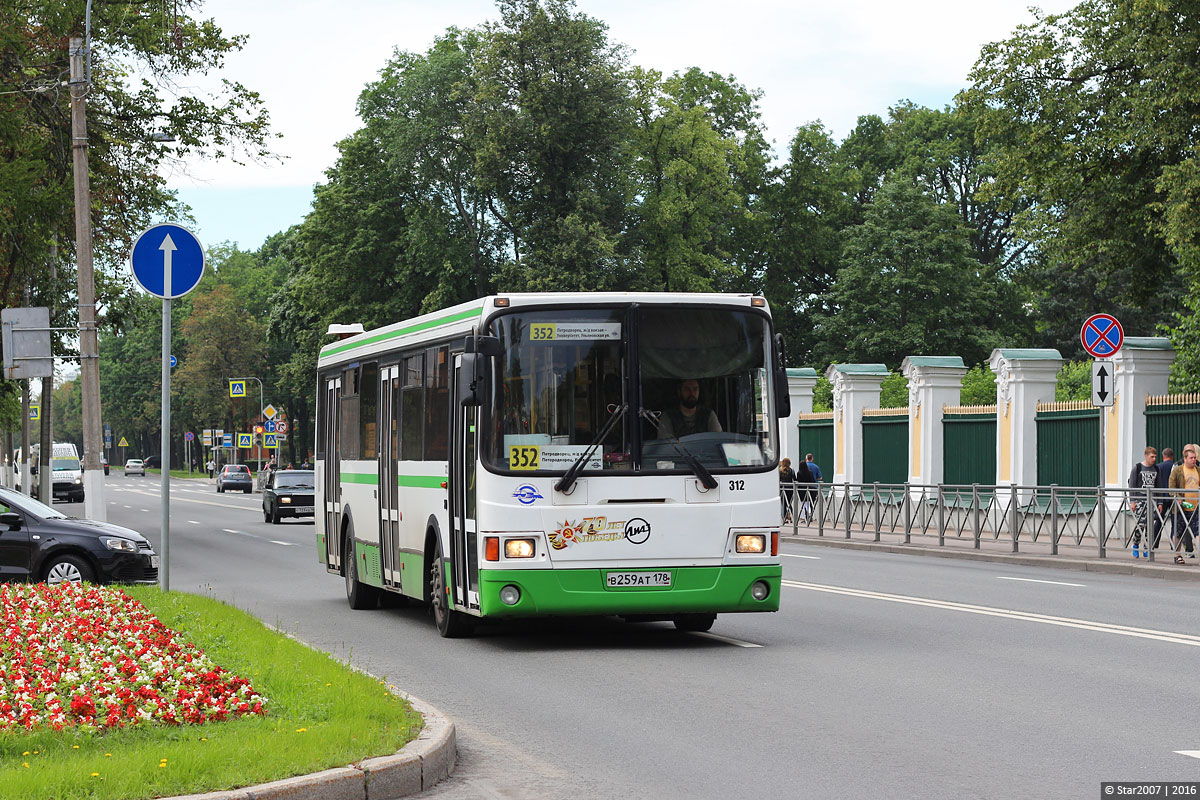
x=451 y=624
x=358 y=594
x=696 y=623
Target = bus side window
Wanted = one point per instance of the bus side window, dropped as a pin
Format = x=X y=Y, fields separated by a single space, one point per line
x=350 y=415
x=368 y=399
x=437 y=403
x=412 y=425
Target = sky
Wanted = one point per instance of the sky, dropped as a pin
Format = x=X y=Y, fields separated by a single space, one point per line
x=827 y=61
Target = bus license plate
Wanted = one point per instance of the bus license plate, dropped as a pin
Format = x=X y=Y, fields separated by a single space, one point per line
x=618 y=579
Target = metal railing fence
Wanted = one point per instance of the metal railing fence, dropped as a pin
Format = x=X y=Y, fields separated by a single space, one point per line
x=1073 y=519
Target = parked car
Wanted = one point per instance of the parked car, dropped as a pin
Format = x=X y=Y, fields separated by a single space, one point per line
x=153 y=462
x=288 y=493
x=134 y=466
x=235 y=476
x=38 y=543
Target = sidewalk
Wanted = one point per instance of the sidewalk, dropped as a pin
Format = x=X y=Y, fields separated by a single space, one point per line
x=1084 y=557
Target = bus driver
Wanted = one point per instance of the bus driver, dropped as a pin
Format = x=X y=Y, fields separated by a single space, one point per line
x=690 y=417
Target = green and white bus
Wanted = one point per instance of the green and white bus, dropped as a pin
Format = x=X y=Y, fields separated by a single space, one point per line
x=531 y=455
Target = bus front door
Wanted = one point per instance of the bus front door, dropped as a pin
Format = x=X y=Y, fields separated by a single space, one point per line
x=389 y=495
x=332 y=481
x=464 y=550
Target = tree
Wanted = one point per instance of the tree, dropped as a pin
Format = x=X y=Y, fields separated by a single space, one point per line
x=908 y=285
x=1098 y=145
x=552 y=125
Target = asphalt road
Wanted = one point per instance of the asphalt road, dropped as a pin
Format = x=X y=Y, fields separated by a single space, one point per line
x=883 y=675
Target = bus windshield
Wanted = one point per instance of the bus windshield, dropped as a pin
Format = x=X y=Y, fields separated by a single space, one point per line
x=698 y=384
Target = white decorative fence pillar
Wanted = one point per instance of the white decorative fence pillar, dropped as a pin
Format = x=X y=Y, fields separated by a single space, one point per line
x=1024 y=377
x=801 y=383
x=1142 y=366
x=933 y=382
x=855 y=387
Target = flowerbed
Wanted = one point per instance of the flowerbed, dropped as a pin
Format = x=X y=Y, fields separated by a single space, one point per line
x=76 y=655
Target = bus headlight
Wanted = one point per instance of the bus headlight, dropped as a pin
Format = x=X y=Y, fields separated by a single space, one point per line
x=510 y=595
x=519 y=548
x=750 y=543
x=759 y=590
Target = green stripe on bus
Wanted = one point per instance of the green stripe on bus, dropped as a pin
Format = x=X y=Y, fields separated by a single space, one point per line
x=718 y=590
x=359 y=477
x=420 y=481
x=333 y=349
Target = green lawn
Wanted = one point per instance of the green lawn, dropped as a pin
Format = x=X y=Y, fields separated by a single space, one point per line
x=321 y=714
x=179 y=473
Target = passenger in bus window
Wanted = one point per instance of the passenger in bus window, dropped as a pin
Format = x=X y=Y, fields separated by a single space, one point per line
x=690 y=417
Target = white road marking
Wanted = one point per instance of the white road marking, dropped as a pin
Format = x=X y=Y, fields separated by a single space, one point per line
x=725 y=639
x=193 y=522
x=1024 y=616
x=1034 y=580
x=230 y=530
x=792 y=555
x=129 y=506
x=1192 y=753
x=285 y=544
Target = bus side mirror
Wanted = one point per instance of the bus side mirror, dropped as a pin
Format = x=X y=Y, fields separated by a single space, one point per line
x=470 y=379
x=783 y=399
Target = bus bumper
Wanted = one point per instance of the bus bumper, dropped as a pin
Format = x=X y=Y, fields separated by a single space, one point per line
x=555 y=592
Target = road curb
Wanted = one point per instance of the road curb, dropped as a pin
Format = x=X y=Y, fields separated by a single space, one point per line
x=1164 y=571
x=417 y=766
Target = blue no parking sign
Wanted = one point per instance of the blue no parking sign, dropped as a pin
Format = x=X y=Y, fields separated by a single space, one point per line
x=1101 y=335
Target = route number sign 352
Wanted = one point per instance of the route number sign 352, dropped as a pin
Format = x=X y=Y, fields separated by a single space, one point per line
x=523 y=456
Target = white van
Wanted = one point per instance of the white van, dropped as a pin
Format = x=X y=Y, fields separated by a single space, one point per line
x=66 y=472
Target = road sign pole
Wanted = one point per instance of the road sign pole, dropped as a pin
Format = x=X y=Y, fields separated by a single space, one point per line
x=164 y=573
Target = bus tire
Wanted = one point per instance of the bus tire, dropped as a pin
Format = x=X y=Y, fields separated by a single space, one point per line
x=694 y=623
x=451 y=624
x=359 y=595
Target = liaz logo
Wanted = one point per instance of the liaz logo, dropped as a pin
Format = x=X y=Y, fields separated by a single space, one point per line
x=526 y=494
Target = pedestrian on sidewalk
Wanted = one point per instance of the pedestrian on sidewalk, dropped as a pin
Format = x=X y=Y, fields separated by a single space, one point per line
x=787 y=487
x=1144 y=476
x=1165 y=465
x=211 y=466
x=1185 y=478
x=815 y=472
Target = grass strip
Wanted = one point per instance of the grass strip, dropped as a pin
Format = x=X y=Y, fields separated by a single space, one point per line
x=322 y=714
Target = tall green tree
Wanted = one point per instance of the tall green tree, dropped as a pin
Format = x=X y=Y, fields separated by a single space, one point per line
x=908 y=284
x=1097 y=121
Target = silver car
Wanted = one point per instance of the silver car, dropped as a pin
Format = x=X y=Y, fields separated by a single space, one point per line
x=135 y=466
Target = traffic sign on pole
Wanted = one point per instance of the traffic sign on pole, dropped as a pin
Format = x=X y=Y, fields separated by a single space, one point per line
x=1101 y=335
x=270 y=440
x=122 y=443
x=237 y=388
x=227 y=440
x=174 y=362
x=1102 y=382
x=281 y=426
x=35 y=412
x=246 y=440
x=167 y=261
x=189 y=437
x=270 y=426
x=270 y=411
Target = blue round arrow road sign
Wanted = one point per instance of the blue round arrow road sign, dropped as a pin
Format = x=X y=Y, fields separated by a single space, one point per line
x=1102 y=335
x=167 y=260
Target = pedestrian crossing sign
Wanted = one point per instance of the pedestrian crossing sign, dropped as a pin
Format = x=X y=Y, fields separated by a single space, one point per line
x=270 y=440
x=237 y=388
x=122 y=443
x=245 y=440
x=35 y=412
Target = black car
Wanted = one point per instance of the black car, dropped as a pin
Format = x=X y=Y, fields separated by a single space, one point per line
x=153 y=462
x=38 y=543
x=288 y=493
x=235 y=476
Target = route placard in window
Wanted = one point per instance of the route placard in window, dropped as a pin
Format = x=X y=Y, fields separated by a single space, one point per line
x=558 y=331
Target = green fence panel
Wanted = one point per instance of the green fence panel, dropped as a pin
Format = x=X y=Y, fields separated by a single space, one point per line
x=1172 y=426
x=1068 y=448
x=816 y=437
x=885 y=449
x=969 y=449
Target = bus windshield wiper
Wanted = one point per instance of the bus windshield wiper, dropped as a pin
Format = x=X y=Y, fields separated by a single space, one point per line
x=568 y=480
x=699 y=469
